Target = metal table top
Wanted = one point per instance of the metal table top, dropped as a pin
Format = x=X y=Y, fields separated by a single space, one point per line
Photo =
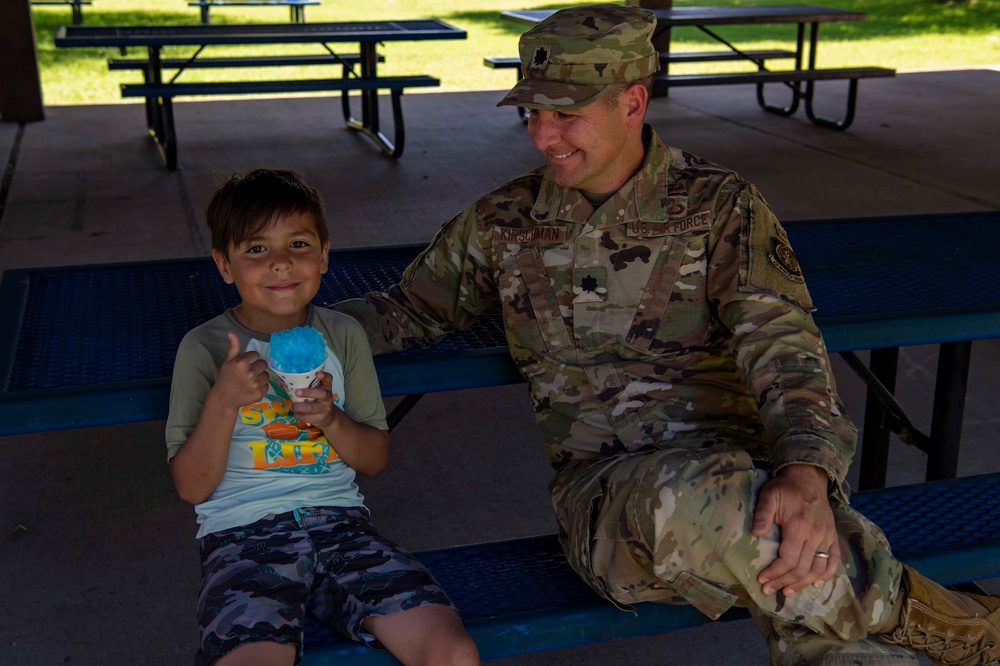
x=264 y=33
x=694 y=16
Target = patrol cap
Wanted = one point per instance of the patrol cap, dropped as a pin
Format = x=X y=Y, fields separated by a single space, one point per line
x=571 y=58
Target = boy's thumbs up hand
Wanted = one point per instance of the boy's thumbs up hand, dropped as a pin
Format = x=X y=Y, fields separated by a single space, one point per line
x=234 y=346
x=243 y=376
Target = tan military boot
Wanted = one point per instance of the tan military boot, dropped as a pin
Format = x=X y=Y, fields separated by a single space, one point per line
x=951 y=628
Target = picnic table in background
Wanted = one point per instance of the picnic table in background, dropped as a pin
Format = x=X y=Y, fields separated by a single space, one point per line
x=800 y=78
x=75 y=5
x=296 y=8
x=159 y=94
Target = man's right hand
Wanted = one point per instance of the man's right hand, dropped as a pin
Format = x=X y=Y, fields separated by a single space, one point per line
x=243 y=376
x=796 y=499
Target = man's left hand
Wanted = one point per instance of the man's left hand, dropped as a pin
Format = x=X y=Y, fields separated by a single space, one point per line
x=796 y=500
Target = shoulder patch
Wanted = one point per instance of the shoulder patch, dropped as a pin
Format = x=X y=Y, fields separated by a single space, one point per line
x=784 y=260
x=773 y=268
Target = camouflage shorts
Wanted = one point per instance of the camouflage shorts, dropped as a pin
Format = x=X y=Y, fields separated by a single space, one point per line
x=259 y=580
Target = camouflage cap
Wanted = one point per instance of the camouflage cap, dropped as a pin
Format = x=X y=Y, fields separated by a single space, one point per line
x=569 y=59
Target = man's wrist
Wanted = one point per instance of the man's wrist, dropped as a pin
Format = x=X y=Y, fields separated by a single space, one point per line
x=806 y=472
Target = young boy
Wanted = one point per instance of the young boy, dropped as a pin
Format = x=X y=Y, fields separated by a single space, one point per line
x=283 y=528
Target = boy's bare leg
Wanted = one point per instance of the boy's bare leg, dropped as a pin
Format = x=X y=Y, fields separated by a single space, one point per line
x=430 y=635
x=260 y=653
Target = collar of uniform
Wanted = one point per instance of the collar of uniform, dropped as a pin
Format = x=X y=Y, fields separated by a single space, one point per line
x=645 y=192
x=650 y=182
x=555 y=202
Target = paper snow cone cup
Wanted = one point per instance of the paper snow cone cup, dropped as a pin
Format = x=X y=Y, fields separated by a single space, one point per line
x=300 y=380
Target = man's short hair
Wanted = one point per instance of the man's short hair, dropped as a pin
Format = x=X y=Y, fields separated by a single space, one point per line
x=246 y=204
x=574 y=56
x=615 y=90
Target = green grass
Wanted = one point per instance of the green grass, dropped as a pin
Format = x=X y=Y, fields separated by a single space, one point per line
x=904 y=34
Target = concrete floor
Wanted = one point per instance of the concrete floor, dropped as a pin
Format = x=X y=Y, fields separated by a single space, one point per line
x=107 y=569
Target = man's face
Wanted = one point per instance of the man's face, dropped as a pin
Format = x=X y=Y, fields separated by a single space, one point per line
x=584 y=146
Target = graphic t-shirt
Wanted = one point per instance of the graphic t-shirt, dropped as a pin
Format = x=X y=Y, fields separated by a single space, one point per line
x=277 y=463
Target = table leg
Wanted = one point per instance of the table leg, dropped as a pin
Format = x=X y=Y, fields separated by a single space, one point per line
x=369 y=98
x=369 y=123
x=949 y=407
x=825 y=121
x=168 y=141
x=795 y=87
x=160 y=113
x=661 y=39
x=154 y=75
x=151 y=115
x=813 y=45
x=875 y=442
x=402 y=409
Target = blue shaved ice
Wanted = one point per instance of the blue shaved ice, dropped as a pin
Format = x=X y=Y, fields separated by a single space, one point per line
x=297 y=350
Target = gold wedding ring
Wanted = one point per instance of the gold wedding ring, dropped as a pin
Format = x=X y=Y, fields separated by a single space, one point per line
x=820 y=553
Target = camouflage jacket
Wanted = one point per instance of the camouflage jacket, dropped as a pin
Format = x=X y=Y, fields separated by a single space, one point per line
x=675 y=308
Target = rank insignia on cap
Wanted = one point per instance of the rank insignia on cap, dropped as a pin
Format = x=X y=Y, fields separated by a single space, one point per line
x=541 y=57
x=782 y=258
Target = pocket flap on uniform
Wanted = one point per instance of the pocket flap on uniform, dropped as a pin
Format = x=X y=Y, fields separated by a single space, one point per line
x=548 y=316
x=707 y=597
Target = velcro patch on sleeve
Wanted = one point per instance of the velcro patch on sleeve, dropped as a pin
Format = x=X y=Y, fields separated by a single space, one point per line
x=773 y=268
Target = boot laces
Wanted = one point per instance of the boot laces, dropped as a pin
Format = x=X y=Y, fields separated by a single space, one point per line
x=944 y=648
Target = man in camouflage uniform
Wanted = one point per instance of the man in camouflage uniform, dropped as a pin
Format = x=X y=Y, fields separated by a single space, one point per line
x=684 y=393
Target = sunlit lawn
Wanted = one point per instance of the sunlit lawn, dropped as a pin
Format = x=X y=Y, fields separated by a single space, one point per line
x=904 y=34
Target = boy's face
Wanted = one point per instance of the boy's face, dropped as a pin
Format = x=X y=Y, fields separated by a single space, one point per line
x=277 y=273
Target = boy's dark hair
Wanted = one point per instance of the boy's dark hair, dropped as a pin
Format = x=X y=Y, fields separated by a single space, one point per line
x=247 y=204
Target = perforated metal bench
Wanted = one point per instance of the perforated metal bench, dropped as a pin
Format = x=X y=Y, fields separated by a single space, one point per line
x=521 y=596
x=94 y=345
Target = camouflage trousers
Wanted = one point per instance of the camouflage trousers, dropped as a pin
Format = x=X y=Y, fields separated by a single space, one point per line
x=260 y=580
x=673 y=526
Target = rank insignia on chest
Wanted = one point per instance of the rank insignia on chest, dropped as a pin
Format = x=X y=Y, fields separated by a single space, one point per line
x=590 y=285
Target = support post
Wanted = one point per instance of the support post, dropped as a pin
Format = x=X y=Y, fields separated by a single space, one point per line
x=949 y=405
x=20 y=86
x=661 y=40
x=884 y=364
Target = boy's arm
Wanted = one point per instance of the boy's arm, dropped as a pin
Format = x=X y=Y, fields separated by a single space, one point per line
x=200 y=462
